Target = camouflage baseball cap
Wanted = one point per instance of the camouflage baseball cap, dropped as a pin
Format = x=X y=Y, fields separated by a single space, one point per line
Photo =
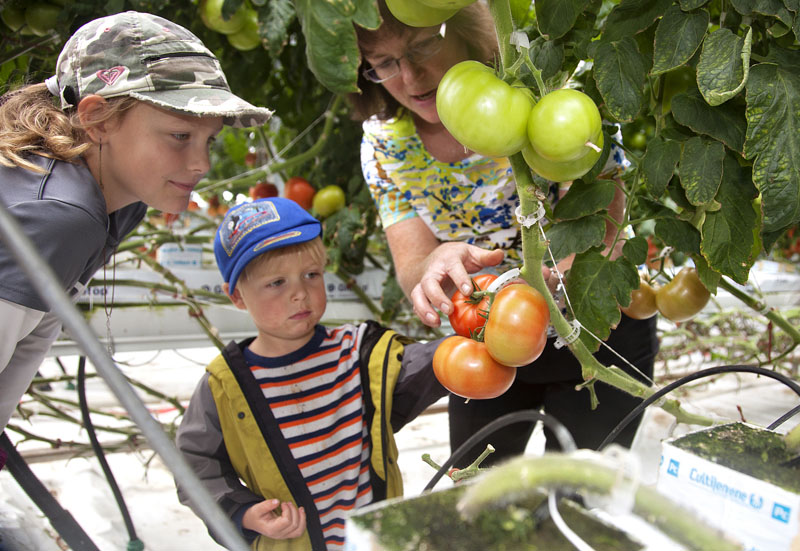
x=151 y=59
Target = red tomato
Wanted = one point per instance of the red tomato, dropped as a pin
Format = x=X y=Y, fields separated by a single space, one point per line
x=300 y=191
x=516 y=331
x=262 y=190
x=468 y=313
x=193 y=206
x=464 y=367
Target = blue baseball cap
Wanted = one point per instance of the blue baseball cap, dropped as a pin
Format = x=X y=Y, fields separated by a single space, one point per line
x=251 y=229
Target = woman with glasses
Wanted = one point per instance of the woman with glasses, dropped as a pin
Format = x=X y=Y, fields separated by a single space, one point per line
x=448 y=212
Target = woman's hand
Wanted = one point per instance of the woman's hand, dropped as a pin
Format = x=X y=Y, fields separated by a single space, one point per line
x=287 y=523
x=446 y=268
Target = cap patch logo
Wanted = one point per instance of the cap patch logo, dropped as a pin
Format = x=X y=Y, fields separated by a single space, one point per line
x=110 y=76
x=242 y=220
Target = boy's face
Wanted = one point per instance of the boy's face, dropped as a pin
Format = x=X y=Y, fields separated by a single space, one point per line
x=286 y=298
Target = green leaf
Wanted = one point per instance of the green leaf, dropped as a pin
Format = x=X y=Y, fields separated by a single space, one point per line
x=576 y=236
x=724 y=65
x=678 y=234
x=556 y=17
x=678 y=36
x=274 y=24
x=773 y=142
x=595 y=287
x=547 y=56
x=635 y=249
x=709 y=277
x=773 y=8
x=701 y=169
x=620 y=72
x=725 y=123
x=658 y=164
x=632 y=16
x=584 y=199
x=689 y=5
x=729 y=233
x=331 y=46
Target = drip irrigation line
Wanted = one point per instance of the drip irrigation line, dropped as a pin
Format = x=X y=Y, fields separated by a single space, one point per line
x=635 y=412
x=565 y=439
x=783 y=418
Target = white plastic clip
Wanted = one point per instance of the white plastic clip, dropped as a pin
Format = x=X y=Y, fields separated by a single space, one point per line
x=531 y=219
x=571 y=338
x=520 y=40
x=502 y=279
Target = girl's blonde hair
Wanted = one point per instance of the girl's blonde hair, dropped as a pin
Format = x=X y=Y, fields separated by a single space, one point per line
x=315 y=248
x=473 y=25
x=31 y=122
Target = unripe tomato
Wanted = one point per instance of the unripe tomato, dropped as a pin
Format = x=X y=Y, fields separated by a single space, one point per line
x=643 y=302
x=447 y=4
x=41 y=17
x=300 y=191
x=683 y=297
x=562 y=123
x=247 y=37
x=468 y=313
x=211 y=14
x=13 y=15
x=481 y=111
x=262 y=190
x=464 y=367
x=416 y=14
x=561 y=172
x=328 y=200
x=675 y=82
x=516 y=331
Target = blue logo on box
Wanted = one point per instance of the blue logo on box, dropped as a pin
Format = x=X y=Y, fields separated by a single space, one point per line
x=673 y=467
x=781 y=513
x=756 y=501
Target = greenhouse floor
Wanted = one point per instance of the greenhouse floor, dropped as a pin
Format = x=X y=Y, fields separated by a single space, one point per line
x=163 y=524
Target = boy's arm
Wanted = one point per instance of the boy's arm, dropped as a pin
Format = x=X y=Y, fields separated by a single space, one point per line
x=199 y=439
x=417 y=387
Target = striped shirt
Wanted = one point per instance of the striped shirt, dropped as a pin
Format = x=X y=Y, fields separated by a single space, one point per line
x=316 y=397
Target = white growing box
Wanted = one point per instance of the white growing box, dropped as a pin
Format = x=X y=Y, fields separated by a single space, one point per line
x=761 y=515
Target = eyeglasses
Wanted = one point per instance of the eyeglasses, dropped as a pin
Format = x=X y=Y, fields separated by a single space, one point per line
x=416 y=54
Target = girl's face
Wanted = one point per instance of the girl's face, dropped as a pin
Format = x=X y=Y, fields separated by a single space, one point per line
x=285 y=297
x=155 y=156
x=414 y=87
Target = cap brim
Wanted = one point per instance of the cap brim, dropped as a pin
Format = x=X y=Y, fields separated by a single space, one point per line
x=208 y=102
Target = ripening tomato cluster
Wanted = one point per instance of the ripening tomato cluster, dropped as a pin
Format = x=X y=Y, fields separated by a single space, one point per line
x=241 y=28
x=679 y=300
x=491 y=341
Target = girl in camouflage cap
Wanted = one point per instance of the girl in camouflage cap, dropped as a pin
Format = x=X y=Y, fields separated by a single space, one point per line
x=125 y=123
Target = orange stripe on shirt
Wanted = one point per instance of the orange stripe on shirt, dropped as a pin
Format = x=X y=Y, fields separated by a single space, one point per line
x=316 y=395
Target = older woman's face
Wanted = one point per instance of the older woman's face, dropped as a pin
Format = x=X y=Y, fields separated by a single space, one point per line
x=415 y=85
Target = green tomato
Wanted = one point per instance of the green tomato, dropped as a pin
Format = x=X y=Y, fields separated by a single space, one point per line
x=41 y=18
x=416 y=14
x=563 y=124
x=638 y=140
x=482 y=112
x=675 y=82
x=13 y=15
x=247 y=37
x=447 y=4
x=560 y=172
x=211 y=14
x=327 y=201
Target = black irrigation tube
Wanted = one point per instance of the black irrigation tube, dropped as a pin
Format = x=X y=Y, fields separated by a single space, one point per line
x=561 y=432
x=783 y=418
x=134 y=542
x=694 y=376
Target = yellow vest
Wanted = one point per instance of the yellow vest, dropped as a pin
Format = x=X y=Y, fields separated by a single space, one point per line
x=253 y=460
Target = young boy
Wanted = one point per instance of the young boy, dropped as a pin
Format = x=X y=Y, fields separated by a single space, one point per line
x=292 y=429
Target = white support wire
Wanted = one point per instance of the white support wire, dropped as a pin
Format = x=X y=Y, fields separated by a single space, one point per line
x=571 y=536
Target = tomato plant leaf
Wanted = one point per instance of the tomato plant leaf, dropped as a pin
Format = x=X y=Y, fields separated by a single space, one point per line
x=595 y=286
x=557 y=17
x=620 y=72
x=658 y=164
x=729 y=233
x=773 y=142
x=635 y=249
x=679 y=234
x=630 y=17
x=689 y=5
x=584 y=199
x=547 y=56
x=678 y=36
x=701 y=169
x=331 y=47
x=575 y=236
x=774 y=8
x=725 y=122
x=274 y=24
x=709 y=277
x=724 y=65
